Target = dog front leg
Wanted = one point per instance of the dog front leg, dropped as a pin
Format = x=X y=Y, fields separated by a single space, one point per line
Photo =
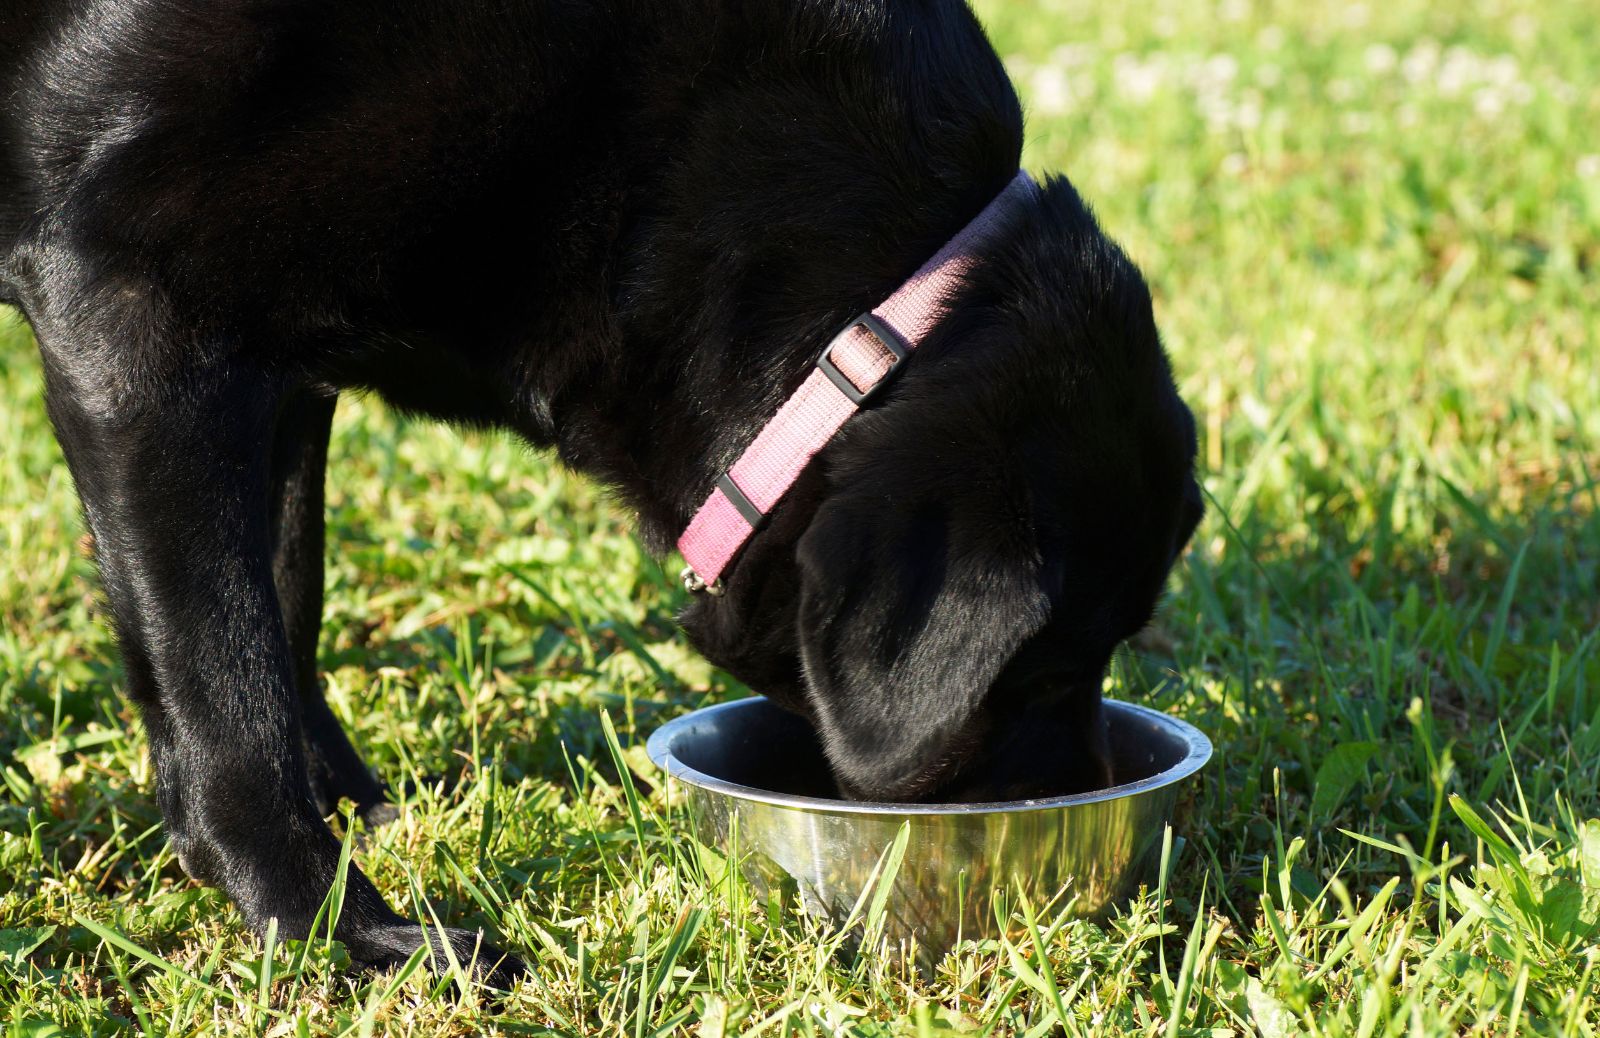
x=175 y=476
x=299 y=467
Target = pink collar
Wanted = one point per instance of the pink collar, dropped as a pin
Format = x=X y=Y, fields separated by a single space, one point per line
x=856 y=364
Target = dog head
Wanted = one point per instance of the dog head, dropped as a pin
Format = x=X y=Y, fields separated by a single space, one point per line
x=944 y=590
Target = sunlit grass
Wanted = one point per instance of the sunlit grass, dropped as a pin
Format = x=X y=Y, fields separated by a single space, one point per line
x=1372 y=231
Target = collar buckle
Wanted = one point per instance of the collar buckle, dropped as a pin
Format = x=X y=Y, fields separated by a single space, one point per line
x=886 y=336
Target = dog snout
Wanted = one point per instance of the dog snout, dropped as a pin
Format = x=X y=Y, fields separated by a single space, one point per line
x=1049 y=743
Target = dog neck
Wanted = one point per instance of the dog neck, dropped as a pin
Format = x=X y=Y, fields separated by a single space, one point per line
x=852 y=369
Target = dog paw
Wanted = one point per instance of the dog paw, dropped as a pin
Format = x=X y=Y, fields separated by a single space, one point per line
x=388 y=947
x=375 y=816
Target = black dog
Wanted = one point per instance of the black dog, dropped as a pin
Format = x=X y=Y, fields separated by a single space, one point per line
x=624 y=229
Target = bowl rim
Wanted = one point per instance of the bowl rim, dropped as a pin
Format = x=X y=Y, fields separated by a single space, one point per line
x=659 y=748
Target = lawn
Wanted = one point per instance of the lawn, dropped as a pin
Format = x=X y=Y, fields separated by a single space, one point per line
x=1373 y=235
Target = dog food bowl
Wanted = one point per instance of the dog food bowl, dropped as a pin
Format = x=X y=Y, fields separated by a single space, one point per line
x=759 y=791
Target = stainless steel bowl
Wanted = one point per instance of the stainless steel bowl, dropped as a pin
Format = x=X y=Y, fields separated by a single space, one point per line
x=759 y=790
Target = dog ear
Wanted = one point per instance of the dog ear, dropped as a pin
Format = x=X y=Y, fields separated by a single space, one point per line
x=907 y=616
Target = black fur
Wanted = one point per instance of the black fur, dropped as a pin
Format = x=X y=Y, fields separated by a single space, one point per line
x=623 y=229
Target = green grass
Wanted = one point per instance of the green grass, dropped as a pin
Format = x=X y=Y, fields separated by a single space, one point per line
x=1372 y=231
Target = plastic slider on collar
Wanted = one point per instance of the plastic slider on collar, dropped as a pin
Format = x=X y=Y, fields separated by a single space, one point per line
x=879 y=331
